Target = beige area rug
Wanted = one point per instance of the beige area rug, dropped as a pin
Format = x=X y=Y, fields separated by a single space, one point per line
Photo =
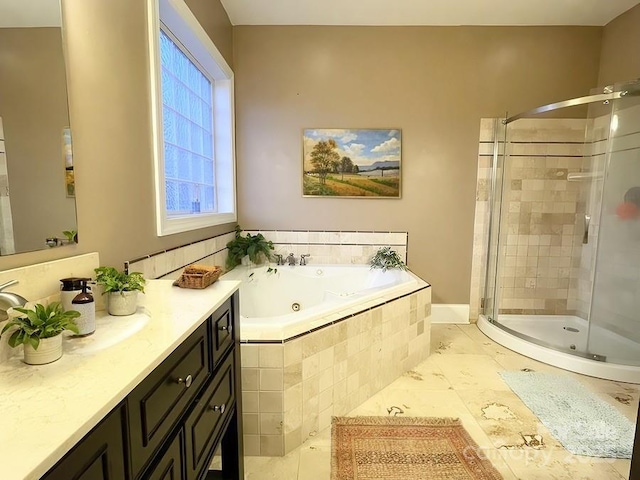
x=405 y=448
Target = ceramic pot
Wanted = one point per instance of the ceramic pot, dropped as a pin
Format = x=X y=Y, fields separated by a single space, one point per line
x=122 y=303
x=49 y=350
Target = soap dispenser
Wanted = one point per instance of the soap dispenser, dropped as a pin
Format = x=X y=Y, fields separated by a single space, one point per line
x=86 y=305
x=69 y=288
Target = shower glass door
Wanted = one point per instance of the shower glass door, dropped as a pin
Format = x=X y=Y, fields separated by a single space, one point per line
x=614 y=233
x=491 y=305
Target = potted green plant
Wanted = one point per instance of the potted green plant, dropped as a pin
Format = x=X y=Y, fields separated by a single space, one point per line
x=255 y=247
x=121 y=289
x=40 y=331
x=386 y=258
x=72 y=236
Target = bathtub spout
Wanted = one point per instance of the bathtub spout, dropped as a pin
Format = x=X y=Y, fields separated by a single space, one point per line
x=291 y=260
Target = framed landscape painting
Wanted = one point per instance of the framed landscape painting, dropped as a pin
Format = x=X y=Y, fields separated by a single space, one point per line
x=351 y=163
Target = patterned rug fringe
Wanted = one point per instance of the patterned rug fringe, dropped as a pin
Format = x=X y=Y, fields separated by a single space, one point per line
x=395 y=420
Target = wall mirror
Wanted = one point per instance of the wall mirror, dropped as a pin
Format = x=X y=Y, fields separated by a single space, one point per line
x=37 y=189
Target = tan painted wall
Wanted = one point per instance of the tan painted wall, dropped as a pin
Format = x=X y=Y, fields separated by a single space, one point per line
x=435 y=83
x=620 y=60
x=33 y=106
x=109 y=110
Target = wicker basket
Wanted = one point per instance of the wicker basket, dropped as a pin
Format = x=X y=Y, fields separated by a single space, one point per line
x=198 y=277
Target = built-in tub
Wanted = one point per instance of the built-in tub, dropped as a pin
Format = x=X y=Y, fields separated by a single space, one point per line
x=281 y=302
x=357 y=330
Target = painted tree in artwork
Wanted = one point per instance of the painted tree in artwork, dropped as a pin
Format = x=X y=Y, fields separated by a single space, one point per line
x=346 y=166
x=325 y=158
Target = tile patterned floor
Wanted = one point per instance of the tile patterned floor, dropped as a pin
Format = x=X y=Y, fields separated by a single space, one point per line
x=460 y=379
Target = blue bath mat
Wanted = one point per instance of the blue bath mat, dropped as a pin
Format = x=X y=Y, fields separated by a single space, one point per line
x=582 y=422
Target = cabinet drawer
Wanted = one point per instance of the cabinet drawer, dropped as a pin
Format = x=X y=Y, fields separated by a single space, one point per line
x=169 y=466
x=204 y=424
x=158 y=402
x=98 y=456
x=223 y=332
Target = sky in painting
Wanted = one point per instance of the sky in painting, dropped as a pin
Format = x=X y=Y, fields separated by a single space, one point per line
x=364 y=147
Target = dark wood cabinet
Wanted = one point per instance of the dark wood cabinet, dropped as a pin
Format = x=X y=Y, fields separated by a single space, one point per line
x=169 y=465
x=206 y=421
x=158 y=403
x=99 y=456
x=169 y=426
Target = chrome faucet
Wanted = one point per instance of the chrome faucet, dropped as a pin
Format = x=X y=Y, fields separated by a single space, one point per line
x=291 y=260
x=279 y=259
x=303 y=259
x=9 y=299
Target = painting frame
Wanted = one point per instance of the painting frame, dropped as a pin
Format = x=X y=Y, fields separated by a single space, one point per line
x=352 y=163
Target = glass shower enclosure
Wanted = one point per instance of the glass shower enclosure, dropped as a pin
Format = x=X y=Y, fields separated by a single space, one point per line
x=563 y=257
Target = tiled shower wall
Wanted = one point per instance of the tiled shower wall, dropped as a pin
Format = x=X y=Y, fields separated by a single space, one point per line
x=541 y=232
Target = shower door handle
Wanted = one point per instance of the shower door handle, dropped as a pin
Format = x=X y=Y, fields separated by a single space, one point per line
x=587 y=221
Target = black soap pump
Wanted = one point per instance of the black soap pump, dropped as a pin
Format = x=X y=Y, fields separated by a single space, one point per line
x=86 y=305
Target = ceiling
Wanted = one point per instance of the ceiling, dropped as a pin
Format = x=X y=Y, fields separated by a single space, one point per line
x=425 y=12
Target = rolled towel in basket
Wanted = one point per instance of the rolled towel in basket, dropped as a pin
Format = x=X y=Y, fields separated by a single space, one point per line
x=200 y=269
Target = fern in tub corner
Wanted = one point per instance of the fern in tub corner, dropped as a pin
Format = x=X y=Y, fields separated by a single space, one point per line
x=386 y=258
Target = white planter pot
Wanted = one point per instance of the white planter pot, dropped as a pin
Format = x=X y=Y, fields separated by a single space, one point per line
x=123 y=303
x=49 y=350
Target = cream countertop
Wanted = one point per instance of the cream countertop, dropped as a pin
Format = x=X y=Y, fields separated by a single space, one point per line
x=45 y=410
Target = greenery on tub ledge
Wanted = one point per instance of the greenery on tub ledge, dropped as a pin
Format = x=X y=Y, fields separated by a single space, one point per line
x=386 y=258
x=256 y=247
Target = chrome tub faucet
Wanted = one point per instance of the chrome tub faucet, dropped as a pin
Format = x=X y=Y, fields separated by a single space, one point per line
x=303 y=259
x=291 y=260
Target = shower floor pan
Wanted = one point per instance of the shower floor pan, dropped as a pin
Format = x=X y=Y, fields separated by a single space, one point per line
x=539 y=337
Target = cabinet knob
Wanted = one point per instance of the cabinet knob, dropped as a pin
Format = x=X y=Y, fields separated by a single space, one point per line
x=187 y=381
x=218 y=408
x=225 y=328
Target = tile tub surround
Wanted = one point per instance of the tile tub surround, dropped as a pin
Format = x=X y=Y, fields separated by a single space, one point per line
x=169 y=263
x=291 y=389
x=86 y=385
x=324 y=248
x=334 y=247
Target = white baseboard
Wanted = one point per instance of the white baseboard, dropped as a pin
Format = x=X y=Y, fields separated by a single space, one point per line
x=450 y=313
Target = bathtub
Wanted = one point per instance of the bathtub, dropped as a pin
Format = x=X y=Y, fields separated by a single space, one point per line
x=294 y=300
x=353 y=332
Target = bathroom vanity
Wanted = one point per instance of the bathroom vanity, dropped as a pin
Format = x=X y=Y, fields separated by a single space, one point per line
x=156 y=404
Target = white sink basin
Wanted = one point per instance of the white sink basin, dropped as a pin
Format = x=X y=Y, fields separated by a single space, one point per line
x=110 y=330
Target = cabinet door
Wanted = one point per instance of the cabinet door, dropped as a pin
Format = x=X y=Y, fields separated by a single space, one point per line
x=206 y=421
x=158 y=403
x=98 y=456
x=169 y=466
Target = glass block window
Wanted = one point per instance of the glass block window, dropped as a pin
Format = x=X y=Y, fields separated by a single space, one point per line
x=192 y=111
x=187 y=117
